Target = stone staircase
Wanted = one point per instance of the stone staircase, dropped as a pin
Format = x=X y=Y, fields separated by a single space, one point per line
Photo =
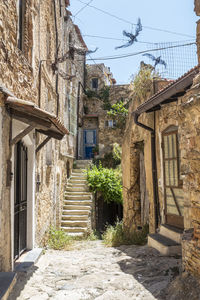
x=76 y=215
x=167 y=241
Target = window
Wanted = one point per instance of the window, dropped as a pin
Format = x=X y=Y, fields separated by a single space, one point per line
x=110 y=123
x=174 y=199
x=21 y=24
x=170 y=153
x=95 y=83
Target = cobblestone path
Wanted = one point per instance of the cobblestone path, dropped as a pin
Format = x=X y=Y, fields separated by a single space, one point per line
x=93 y=271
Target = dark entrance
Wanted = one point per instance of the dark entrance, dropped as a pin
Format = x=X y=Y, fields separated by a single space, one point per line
x=20 y=209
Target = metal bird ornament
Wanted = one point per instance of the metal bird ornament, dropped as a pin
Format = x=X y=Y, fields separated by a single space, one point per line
x=132 y=37
x=91 y=51
x=157 y=60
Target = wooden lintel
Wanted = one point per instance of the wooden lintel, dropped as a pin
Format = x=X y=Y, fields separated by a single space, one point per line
x=22 y=134
x=43 y=144
x=30 y=119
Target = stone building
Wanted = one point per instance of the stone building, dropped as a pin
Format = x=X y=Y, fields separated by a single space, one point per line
x=42 y=56
x=161 y=168
x=98 y=128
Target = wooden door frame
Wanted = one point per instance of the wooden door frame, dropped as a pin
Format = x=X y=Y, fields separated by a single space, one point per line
x=29 y=141
x=172 y=219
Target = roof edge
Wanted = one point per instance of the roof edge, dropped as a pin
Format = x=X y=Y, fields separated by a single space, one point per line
x=170 y=90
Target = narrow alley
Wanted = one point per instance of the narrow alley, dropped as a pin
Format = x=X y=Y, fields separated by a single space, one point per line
x=92 y=271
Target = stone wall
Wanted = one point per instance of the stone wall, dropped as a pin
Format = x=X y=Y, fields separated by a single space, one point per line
x=42 y=72
x=106 y=135
x=137 y=141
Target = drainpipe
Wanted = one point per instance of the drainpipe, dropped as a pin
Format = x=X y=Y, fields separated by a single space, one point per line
x=154 y=169
x=78 y=105
x=56 y=31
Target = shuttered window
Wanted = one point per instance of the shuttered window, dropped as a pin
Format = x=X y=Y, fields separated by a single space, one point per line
x=171 y=168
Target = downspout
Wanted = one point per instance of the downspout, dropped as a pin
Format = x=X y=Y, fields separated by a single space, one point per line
x=78 y=105
x=56 y=31
x=153 y=164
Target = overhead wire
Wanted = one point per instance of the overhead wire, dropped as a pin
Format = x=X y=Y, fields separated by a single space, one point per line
x=118 y=39
x=137 y=53
x=131 y=23
x=86 y=4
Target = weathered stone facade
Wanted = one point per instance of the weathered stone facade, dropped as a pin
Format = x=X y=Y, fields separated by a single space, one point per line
x=181 y=115
x=44 y=69
x=95 y=116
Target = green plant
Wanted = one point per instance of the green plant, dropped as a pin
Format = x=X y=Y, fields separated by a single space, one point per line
x=95 y=149
x=117 y=153
x=116 y=235
x=107 y=181
x=119 y=112
x=58 y=239
x=142 y=83
x=102 y=94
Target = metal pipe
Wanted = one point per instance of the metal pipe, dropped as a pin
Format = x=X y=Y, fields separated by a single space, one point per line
x=78 y=105
x=56 y=31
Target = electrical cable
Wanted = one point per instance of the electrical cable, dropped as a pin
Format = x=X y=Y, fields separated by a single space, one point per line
x=117 y=39
x=86 y=4
x=131 y=23
x=137 y=53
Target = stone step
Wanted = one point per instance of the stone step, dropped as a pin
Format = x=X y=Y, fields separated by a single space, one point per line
x=171 y=232
x=77 y=181
x=78 y=171
x=74 y=229
x=70 y=217
x=78 y=202
x=72 y=189
x=76 y=207
x=75 y=212
x=78 y=197
x=164 y=245
x=78 y=176
x=75 y=233
x=74 y=224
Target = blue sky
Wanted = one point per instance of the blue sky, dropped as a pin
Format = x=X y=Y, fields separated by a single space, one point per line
x=171 y=15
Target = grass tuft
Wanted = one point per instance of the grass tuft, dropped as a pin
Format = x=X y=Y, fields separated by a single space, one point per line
x=59 y=240
x=115 y=236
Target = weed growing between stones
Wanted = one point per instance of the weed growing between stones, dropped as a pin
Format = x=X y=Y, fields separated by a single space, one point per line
x=59 y=240
x=115 y=236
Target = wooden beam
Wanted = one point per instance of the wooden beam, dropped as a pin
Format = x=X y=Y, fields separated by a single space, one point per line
x=43 y=144
x=22 y=134
x=30 y=119
x=51 y=133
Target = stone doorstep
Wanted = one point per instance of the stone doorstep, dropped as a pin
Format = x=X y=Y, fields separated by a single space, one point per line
x=7 y=282
x=9 y=279
x=164 y=245
x=171 y=232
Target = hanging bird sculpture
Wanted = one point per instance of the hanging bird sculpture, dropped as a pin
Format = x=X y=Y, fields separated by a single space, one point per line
x=91 y=51
x=157 y=60
x=132 y=37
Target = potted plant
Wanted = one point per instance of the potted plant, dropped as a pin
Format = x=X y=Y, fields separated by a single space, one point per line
x=95 y=150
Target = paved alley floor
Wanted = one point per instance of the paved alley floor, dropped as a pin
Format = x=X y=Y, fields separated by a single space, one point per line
x=93 y=271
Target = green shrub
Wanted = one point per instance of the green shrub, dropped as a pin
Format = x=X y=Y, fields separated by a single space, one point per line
x=119 y=112
x=107 y=181
x=58 y=239
x=115 y=236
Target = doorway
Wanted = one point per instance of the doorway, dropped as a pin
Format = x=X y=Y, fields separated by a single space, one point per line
x=20 y=199
x=90 y=141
